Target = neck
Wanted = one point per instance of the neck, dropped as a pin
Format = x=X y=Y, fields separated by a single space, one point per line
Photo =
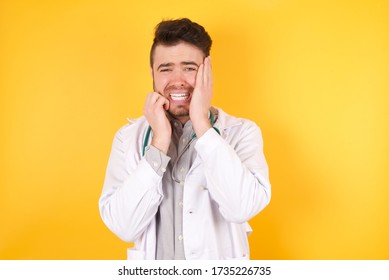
x=182 y=119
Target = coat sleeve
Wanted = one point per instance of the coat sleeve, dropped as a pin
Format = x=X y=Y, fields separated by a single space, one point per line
x=236 y=175
x=130 y=198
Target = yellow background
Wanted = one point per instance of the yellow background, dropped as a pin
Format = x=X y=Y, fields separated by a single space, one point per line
x=313 y=75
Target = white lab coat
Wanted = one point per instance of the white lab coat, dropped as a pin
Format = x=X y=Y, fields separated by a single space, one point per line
x=226 y=186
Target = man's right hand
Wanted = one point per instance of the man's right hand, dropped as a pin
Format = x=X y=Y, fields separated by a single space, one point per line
x=154 y=111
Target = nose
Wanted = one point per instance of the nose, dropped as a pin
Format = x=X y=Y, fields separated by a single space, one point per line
x=178 y=78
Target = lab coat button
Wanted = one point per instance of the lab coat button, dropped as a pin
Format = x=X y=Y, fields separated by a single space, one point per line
x=182 y=183
x=180 y=237
x=180 y=204
x=163 y=169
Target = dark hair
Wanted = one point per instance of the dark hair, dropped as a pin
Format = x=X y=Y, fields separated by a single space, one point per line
x=173 y=32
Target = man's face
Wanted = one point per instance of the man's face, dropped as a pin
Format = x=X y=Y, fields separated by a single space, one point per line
x=174 y=74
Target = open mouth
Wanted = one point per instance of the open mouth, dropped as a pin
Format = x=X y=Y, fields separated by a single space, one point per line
x=179 y=96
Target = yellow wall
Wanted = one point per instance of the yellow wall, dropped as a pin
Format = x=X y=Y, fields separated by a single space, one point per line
x=312 y=74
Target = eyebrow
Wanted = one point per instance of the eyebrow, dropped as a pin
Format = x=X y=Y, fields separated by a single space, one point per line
x=165 y=65
x=189 y=63
x=169 y=64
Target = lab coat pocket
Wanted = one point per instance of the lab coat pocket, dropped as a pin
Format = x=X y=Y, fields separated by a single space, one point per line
x=133 y=254
x=196 y=174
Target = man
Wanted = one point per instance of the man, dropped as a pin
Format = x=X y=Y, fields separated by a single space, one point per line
x=183 y=180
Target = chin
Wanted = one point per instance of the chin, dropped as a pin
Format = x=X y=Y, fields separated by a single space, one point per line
x=180 y=111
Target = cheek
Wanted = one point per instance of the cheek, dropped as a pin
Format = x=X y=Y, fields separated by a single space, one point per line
x=159 y=83
x=191 y=79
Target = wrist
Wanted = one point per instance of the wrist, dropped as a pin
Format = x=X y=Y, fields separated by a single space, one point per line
x=161 y=144
x=201 y=128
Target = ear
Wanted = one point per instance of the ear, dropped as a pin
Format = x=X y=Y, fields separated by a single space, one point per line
x=151 y=72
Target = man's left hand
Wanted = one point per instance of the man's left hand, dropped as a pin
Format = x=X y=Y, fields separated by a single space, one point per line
x=201 y=98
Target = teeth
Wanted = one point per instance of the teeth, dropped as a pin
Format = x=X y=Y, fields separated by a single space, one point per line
x=179 y=96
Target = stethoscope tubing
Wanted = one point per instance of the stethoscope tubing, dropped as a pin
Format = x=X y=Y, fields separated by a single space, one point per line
x=148 y=132
x=194 y=136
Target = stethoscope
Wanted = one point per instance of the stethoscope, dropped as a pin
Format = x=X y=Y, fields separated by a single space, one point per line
x=194 y=136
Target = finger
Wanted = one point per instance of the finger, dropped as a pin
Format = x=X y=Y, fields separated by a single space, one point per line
x=146 y=107
x=151 y=100
x=199 y=76
x=151 y=97
x=207 y=71
x=155 y=97
x=148 y=97
x=210 y=78
x=162 y=102
x=166 y=105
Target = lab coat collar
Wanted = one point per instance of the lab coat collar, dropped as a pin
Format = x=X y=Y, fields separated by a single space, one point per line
x=224 y=121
